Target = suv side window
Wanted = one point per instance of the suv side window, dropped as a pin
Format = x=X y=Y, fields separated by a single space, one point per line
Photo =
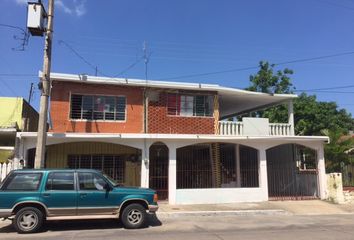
x=60 y=181
x=22 y=182
x=91 y=181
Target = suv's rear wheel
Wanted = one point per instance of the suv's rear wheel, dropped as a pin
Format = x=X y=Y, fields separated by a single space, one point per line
x=134 y=216
x=28 y=220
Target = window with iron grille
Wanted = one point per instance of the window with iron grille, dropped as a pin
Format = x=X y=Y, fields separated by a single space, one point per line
x=112 y=165
x=88 y=107
x=190 y=105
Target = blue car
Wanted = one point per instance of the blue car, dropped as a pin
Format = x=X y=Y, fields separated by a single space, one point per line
x=29 y=197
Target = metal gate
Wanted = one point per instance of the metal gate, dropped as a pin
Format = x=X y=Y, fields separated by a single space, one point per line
x=158 y=169
x=292 y=173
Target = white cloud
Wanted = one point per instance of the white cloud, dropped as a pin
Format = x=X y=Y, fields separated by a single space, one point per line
x=80 y=8
x=72 y=7
x=61 y=5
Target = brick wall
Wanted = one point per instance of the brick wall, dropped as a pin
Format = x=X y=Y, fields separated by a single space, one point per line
x=160 y=122
x=60 y=108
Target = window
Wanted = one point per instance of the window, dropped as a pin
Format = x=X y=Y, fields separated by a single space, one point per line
x=88 y=107
x=23 y=182
x=112 y=165
x=189 y=105
x=91 y=181
x=60 y=181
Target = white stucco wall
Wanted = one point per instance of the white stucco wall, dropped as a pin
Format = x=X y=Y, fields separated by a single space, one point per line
x=220 y=195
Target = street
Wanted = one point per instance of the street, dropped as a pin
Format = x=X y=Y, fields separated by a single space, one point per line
x=217 y=227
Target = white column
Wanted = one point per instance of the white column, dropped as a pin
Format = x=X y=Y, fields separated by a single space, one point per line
x=172 y=174
x=263 y=177
x=238 y=165
x=19 y=146
x=144 y=175
x=322 y=179
x=291 y=117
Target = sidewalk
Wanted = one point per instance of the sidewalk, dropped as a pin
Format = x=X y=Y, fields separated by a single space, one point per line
x=307 y=207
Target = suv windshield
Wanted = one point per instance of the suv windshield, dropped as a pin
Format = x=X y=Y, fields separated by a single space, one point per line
x=112 y=181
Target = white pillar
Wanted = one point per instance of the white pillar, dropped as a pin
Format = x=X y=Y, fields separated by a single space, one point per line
x=263 y=177
x=291 y=117
x=322 y=179
x=172 y=174
x=238 y=165
x=144 y=175
x=17 y=152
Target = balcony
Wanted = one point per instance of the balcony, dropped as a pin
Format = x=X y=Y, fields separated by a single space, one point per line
x=255 y=127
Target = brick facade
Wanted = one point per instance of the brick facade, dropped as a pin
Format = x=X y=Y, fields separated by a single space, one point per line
x=60 y=108
x=160 y=122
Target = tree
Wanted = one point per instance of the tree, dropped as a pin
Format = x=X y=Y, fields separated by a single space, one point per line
x=311 y=117
x=336 y=151
x=266 y=81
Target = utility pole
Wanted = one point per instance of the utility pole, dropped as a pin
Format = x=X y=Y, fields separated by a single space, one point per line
x=30 y=94
x=45 y=90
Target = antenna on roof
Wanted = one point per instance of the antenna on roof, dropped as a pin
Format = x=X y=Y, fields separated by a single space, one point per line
x=146 y=59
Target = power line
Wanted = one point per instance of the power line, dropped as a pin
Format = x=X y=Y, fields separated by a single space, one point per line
x=8 y=87
x=129 y=67
x=256 y=67
x=328 y=88
x=24 y=38
x=82 y=58
x=18 y=75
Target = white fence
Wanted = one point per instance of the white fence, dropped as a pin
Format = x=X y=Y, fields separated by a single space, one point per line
x=5 y=168
x=279 y=129
x=236 y=129
x=231 y=128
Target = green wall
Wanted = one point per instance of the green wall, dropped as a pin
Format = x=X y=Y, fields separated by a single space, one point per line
x=10 y=111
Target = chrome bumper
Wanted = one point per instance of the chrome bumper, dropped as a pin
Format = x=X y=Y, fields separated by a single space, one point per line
x=153 y=208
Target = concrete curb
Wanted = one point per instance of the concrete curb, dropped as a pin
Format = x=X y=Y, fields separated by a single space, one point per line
x=223 y=213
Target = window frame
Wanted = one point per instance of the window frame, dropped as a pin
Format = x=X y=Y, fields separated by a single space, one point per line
x=81 y=119
x=178 y=105
x=55 y=172
x=11 y=176
x=95 y=174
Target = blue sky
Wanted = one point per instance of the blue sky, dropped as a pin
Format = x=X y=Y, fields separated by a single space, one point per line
x=187 y=37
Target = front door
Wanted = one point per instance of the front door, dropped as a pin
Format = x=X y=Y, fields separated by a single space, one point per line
x=158 y=169
x=60 y=195
x=93 y=199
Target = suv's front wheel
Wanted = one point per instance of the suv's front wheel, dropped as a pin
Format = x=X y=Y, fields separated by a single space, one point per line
x=28 y=220
x=134 y=216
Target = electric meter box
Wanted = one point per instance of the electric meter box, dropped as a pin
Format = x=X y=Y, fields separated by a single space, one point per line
x=36 y=17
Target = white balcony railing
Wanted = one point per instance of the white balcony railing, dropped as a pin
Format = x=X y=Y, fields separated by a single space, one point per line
x=229 y=128
x=280 y=129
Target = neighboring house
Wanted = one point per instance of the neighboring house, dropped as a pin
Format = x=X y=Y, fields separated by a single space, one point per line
x=16 y=115
x=175 y=137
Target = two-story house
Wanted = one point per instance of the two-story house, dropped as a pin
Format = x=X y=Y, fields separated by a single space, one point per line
x=178 y=138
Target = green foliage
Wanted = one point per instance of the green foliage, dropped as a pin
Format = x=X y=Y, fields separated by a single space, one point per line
x=311 y=116
x=269 y=82
x=336 y=151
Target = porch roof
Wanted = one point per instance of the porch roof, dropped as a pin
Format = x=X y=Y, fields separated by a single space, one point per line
x=232 y=100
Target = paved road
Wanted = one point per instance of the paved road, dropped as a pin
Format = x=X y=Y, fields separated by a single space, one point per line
x=231 y=227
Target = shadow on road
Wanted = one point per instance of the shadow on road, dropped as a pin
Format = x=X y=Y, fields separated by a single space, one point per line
x=90 y=224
